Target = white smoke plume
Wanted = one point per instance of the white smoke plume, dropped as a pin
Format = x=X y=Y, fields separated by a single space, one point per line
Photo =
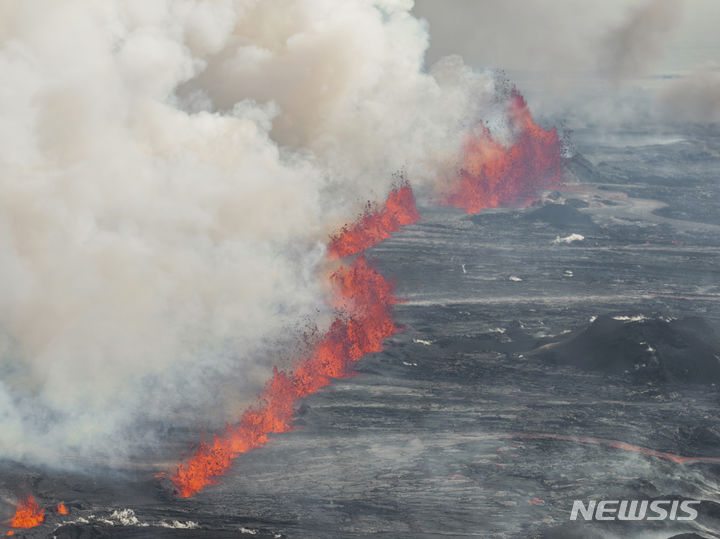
x=169 y=173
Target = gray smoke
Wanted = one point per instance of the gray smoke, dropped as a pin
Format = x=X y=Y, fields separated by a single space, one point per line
x=169 y=174
x=592 y=62
x=693 y=98
x=634 y=47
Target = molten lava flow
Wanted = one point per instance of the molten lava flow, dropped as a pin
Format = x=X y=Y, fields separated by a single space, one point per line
x=28 y=514
x=494 y=175
x=376 y=224
x=365 y=298
x=61 y=509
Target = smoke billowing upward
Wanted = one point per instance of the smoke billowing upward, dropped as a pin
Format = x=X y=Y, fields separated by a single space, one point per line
x=693 y=98
x=633 y=47
x=604 y=63
x=169 y=175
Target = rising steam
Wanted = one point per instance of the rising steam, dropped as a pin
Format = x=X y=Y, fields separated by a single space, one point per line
x=169 y=175
x=631 y=48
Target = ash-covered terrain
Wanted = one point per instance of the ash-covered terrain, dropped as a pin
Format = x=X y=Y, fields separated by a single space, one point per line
x=566 y=351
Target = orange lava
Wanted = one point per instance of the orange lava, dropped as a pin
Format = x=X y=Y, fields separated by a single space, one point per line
x=365 y=298
x=494 y=175
x=28 y=514
x=376 y=223
x=62 y=510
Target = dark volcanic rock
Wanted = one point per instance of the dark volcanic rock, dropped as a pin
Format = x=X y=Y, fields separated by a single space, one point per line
x=576 y=203
x=582 y=169
x=699 y=439
x=77 y=531
x=560 y=216
x=660 y=350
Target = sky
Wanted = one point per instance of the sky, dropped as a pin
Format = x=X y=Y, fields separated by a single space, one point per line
x=555 y=49
x=563 y=34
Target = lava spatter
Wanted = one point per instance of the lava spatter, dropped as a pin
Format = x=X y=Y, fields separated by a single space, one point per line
x=28 y=514
x=376 y=224
x=493 y=174
x=360 y=328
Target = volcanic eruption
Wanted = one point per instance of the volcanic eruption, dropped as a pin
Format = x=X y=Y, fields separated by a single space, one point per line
x=167 y=246
x=363 y=298
x=493 y=174
x=376 y=223
x=28 y=514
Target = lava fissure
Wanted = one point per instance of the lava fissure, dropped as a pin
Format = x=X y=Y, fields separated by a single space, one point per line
x=376 y=224
x=366 y=321
x=492 y=175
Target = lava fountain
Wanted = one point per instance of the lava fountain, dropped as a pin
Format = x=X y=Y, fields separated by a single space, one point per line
x=28 y=514
x=363 y=299
x=493 y=174
x=365 y=321
x=376 y=224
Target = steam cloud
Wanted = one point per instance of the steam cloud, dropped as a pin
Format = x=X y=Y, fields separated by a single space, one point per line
x=169 y=175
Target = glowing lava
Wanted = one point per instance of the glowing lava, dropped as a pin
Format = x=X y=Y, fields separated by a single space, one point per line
x=494 y=175
x=376 y=223
x=365 y=298
x=28 y=514
x=62 y=510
